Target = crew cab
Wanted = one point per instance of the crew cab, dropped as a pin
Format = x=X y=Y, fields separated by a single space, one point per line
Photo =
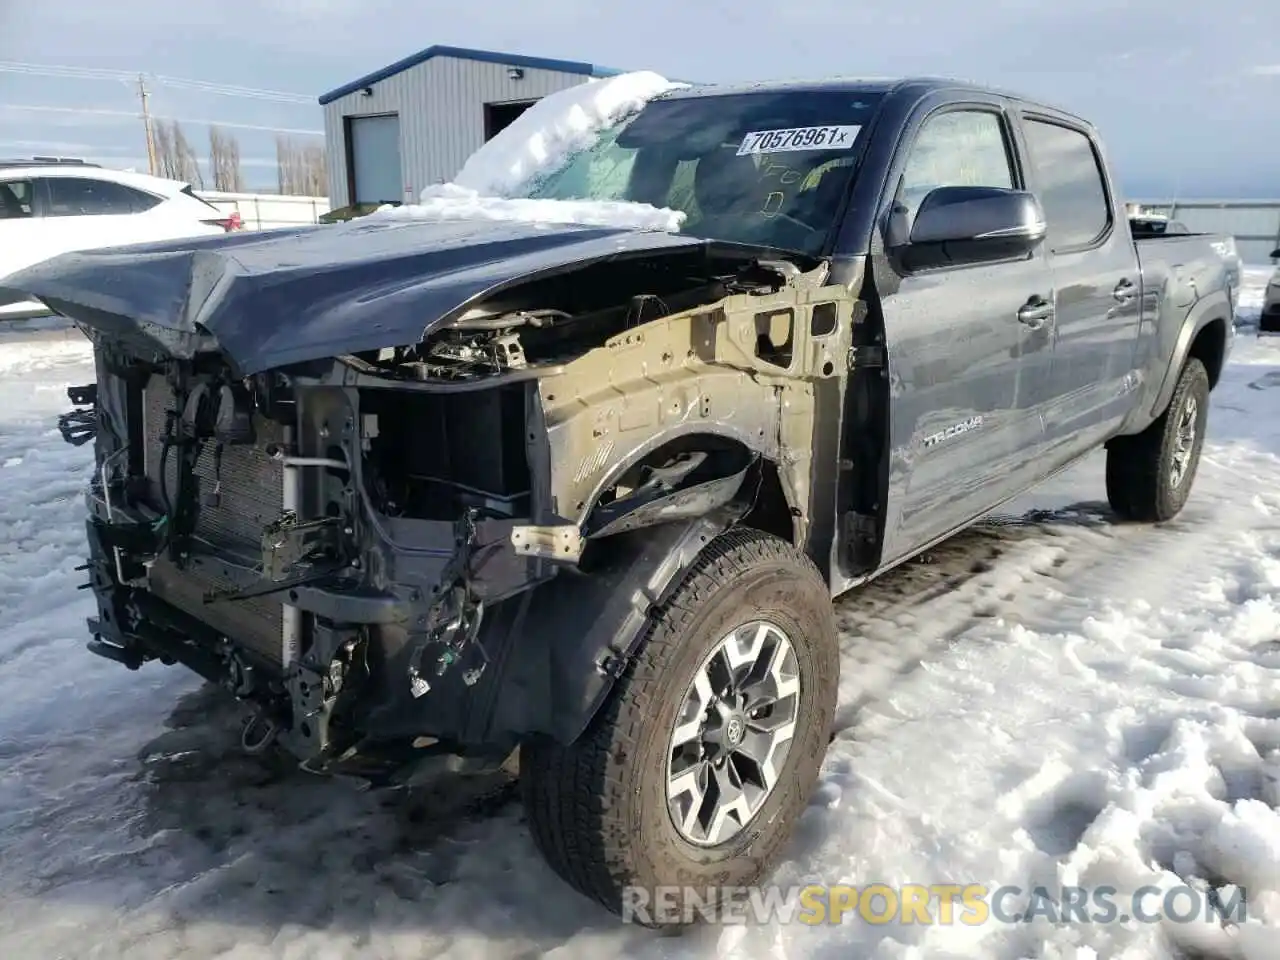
x=426 y=492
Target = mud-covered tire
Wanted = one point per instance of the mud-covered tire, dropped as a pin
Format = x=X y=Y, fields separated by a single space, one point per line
x=598 y=808
x=1143 y=483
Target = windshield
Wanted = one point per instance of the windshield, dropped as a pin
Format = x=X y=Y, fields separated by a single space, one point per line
x=762 y=168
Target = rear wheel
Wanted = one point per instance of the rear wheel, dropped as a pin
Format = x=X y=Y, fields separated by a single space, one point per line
x=1150 y=474
x=696 y=770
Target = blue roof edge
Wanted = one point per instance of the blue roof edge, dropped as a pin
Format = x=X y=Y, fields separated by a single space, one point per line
x=465 y=53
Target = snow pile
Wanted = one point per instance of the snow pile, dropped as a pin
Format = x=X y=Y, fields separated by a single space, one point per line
x=553 y=129
x=541 y=140
x=451 y=202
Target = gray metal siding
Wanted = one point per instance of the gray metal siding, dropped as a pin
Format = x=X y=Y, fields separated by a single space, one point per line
x=441 y=107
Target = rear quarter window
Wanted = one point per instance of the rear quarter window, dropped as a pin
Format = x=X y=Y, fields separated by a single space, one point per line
x=1069 y=183
x=15 y=200
x=83 y=197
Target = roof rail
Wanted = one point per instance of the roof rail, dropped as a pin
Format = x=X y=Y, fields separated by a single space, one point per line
x=47 y=161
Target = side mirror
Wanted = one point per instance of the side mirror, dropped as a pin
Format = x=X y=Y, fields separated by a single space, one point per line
x=967 y=225
x=1275 y=254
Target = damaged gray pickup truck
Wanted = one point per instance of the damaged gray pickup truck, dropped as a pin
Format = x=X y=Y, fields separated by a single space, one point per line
x=428 y=492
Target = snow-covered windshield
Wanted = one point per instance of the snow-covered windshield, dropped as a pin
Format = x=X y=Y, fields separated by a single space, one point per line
x=767 y=168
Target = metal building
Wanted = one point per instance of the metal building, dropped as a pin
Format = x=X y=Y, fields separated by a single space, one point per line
x=415 y=122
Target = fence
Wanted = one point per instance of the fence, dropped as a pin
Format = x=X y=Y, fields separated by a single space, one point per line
x=266 y=211
x=1255 y=224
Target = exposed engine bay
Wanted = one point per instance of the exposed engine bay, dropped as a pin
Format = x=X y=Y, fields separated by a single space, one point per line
x=362 y=545
x=503 y=334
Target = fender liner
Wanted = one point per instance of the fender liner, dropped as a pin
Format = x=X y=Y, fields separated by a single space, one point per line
x=576 y=634
x=745 y=435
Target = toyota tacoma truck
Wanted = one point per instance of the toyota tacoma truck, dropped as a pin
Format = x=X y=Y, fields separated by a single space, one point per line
x=429 y=493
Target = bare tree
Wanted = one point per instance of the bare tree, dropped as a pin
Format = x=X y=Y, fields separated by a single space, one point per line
x=165 y=157
x=190 y=166
x=300 y=167
x=175 y=157
x=224 y=162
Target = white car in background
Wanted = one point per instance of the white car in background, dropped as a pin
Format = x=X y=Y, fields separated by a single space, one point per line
x=53 y=205
x=1269 y=322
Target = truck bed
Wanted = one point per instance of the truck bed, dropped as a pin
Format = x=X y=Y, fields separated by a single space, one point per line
x=1200 y=261
x=1176 y=271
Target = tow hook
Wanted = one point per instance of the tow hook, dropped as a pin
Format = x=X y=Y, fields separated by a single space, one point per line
x=266 y=731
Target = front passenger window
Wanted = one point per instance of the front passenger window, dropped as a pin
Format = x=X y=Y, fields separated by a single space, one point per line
x=959 y=148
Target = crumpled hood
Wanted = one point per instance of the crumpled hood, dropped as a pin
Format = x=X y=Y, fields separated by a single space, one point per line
x=286 y=296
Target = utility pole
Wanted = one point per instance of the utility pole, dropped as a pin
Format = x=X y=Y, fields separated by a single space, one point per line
x=145 y=96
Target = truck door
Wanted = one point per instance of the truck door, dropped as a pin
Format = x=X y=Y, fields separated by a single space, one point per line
x=1097 y=306
x=965 y=343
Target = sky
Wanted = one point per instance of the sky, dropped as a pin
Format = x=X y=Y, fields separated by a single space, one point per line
x=1186 y=94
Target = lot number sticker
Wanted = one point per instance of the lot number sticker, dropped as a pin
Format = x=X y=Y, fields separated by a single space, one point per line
x=798 y=138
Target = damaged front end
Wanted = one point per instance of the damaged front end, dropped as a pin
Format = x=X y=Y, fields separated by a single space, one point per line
x=415 y=556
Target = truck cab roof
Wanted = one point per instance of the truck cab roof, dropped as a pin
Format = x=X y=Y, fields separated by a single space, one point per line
x=913 y=88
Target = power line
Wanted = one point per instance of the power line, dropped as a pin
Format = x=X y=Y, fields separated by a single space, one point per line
x=140 y=83
x=132 y=115
x=230 y=90
x=144 y=96
x=125 y=77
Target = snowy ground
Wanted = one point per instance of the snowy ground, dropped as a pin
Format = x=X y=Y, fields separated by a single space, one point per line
x=1050 y=699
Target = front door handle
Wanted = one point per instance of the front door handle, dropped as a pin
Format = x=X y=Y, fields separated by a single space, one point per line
x=1035 y=312
x=1124 y=291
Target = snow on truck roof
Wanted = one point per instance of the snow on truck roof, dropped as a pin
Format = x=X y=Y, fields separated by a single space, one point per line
x=918 y=85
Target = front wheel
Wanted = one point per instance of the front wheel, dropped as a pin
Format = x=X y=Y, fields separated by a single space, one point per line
x=695 y=771
x=1149 y=475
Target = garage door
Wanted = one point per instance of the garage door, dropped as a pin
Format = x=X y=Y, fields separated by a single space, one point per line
x=375 y=159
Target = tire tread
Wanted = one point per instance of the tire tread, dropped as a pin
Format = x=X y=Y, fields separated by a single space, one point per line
x=1137 y=465
x=572 y=793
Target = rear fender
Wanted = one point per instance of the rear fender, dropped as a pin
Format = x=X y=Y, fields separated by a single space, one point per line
x=1215 y=307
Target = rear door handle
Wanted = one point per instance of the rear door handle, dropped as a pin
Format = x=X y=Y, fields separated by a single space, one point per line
x=1125 y=291
x=1035 y=312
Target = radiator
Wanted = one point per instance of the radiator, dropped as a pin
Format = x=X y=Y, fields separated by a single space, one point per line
x=251 y=495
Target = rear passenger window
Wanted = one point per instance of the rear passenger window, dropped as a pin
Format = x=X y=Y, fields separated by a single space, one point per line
x=82 y=197
x=1069 y=183
x=959 y=148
